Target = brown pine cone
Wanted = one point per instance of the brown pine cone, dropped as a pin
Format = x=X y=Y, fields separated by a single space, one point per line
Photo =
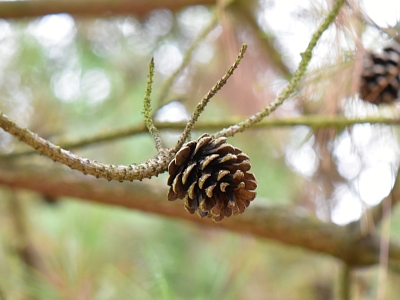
x=380 y=78
x=211 y=176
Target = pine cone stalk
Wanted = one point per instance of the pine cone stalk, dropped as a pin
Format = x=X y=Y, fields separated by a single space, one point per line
x=211 y=176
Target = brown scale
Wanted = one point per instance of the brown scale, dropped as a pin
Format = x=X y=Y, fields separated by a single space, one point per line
x=211 y=176
x=380 y=78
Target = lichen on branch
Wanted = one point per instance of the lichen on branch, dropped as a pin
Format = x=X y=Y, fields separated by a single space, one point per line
x=148 y=117
x=289 y=89
x=152 y=167
x=159 y=163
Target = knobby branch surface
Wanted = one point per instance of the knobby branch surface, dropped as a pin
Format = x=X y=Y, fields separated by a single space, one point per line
x=211 y=93
x=150 y=168
x=280 y=223
x=297 y=76
x=148 y=116
x=312 y=121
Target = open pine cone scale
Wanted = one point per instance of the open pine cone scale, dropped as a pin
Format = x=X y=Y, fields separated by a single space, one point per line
x=211 y=176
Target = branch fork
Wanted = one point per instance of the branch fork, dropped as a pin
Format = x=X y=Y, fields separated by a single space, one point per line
x=159 y=163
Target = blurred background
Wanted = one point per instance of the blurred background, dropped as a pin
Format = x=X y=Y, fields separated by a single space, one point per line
x=69 y=76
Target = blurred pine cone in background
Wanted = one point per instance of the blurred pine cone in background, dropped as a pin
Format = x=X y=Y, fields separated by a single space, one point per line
x=380 y=78
x=212 y=177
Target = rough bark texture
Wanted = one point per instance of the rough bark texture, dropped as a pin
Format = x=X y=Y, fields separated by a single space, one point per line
x=152 y=167
x=287 y=225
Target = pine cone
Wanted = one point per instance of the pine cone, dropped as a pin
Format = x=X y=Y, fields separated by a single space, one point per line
x=380 y=78
x=212 y=177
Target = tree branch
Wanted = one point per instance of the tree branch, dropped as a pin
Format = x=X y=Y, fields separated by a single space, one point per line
x=29 y=8
x=297 y=76
x=345 y=282
x=211 y=93
x=150 y=168
x=148 y=116
x=287 y=225
x=313 y=121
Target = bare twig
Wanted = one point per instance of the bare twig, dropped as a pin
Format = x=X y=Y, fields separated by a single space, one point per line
x=202 y=104
x=148 y=119
x=289 y=89
x=150 y=168
x=313 y=121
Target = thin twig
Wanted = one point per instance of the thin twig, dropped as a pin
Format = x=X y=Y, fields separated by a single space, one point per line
x=202 y=104
x=165 y=88
x=289 y=89
x=313 y=121
x=148 y=119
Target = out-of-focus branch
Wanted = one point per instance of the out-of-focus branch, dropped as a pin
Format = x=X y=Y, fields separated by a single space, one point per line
x=165 y=88
x=297 y=76
x=345 y=282
x=148 y=169
x=23 y=247
x=245 y=11
x=287 y=225
x=313 y=121
x=147 y=114
x=30 y=8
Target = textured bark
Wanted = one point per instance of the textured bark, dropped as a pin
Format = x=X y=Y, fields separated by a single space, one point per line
x=140 y=8
x=291 y=226
x=152 y=167
x=312 y=121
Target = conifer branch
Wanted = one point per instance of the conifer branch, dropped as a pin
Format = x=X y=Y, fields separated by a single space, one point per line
x=211 y=93
x=148 y=117
x=289 y=89
x=150 y=168
x=312 y=121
